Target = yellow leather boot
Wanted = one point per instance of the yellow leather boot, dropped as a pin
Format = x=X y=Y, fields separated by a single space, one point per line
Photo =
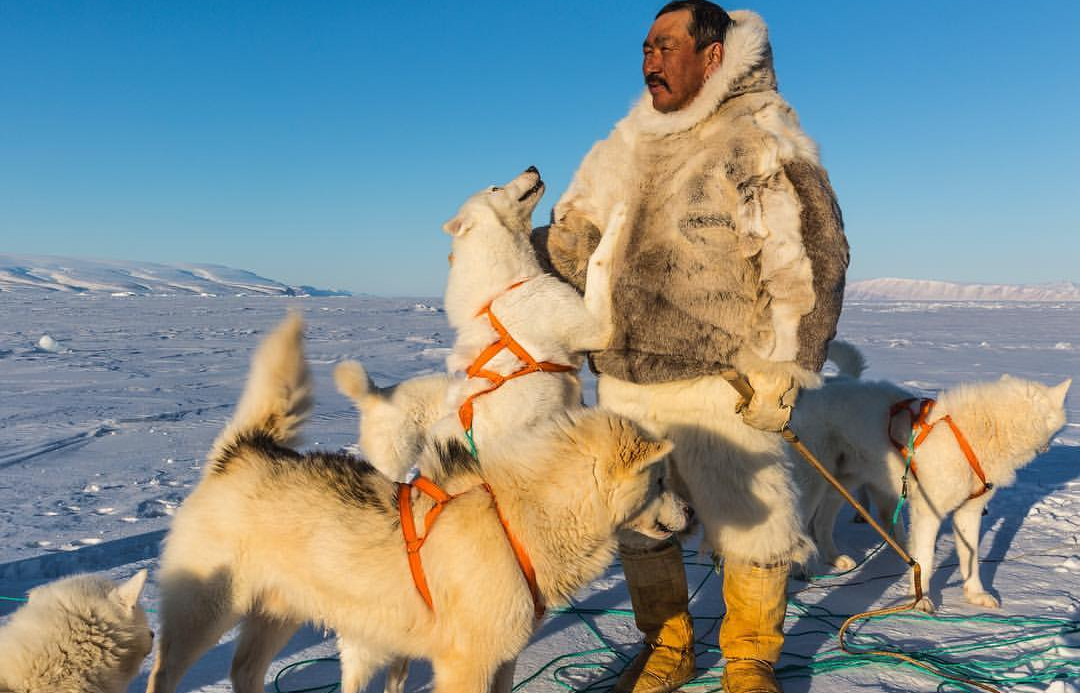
x=656 y=580
x=752 y=632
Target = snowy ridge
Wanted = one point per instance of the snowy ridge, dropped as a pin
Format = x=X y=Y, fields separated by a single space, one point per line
x=892 y=289
x=120 y=277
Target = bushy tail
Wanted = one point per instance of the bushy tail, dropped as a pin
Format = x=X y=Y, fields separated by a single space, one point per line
x=847 y=357
x=277 y=398
x=353 y=381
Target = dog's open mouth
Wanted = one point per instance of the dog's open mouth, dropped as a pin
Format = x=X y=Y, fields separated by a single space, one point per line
x=533 y=190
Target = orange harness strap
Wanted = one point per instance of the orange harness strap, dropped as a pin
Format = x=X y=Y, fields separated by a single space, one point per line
x=413 y=543
x=505 y=341
x=921 y=426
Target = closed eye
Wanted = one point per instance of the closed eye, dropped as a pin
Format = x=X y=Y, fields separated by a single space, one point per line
x=495 y=188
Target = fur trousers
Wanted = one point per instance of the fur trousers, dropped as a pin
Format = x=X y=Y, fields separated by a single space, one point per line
x=737 y=478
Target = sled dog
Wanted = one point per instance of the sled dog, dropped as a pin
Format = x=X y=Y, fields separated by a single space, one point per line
x=394 y=420
x=496 y=279
x=847 y=424
x=273 y=538
x=81 y=634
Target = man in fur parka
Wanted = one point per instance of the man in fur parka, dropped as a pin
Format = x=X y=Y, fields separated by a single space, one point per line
x=734 y=257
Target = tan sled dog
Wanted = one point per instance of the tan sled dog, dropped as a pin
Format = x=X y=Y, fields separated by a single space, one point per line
x=846 y=423
x=81 y=634
x=273 y=538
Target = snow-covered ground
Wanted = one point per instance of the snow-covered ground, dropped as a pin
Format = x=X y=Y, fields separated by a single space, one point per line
x=103 y=429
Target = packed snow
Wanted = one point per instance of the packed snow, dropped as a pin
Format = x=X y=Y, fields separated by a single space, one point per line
x=103 y=430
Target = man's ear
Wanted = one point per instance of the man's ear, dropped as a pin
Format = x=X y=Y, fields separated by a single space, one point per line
x=456 y=227
x=714 y=57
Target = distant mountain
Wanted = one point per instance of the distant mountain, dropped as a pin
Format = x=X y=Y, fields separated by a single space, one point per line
x=930 y=290
x=121 y=277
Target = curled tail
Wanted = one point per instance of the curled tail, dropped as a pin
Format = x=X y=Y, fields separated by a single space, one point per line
x=353 y=381
x=277 y=397
x=847 y=357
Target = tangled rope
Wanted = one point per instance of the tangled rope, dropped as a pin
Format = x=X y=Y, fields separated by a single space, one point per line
x=1023 y=650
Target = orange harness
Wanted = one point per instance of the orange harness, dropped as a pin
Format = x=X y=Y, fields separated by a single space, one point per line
x=505 y=341
x=414 y=542
x=921 y=427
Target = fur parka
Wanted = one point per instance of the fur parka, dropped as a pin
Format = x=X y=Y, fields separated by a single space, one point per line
x=736 y=251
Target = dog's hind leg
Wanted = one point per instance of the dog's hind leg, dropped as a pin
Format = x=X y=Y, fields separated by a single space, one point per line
x=462 y=673
x=261 y=637
x=358 y=663
x=823 y=523
x=503 y=682
x=396 y=675
x=966 y=522
x=195 y=613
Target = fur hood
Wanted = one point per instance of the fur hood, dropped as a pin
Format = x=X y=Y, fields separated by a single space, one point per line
x=747 y=67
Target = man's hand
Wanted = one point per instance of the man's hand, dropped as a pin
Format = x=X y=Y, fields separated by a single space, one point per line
x=770 y=407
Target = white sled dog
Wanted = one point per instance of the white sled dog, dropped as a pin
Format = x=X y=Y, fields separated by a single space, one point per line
x=494 y=276
x=847 y=424
x=81 y=634
x=274 y=538
x=394 y=420
x=496 y=279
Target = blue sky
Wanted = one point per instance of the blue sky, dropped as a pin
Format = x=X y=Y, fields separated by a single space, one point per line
x=325 y=142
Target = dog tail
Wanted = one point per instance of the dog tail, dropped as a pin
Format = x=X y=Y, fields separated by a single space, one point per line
x=847 y=357
x=353 y=381
x=277 y=399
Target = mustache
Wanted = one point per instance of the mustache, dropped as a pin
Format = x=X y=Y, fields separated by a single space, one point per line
x=656 y=79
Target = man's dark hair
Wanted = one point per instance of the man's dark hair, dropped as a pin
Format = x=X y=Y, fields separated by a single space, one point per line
x=708 y=21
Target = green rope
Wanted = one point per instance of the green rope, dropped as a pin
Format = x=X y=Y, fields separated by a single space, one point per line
x=472 y=444
x=1015 y=657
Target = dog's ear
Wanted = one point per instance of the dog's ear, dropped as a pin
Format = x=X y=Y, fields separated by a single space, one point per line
x=636 y=450
x=1058 y=392
x=456 y=227
x=127 y=594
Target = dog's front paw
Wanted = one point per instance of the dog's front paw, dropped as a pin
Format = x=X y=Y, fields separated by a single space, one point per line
x=844 y=562
x=925 y=605
x=982 y=598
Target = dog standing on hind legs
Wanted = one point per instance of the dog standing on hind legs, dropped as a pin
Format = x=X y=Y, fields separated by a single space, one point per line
x=271 y=538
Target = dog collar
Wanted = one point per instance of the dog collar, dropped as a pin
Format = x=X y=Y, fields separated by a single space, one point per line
x=413 y=542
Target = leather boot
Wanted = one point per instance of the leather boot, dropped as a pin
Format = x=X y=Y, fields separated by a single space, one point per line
x=752 y=633
x=656 y=580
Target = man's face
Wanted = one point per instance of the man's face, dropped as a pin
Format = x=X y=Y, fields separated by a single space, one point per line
x=674 y=72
